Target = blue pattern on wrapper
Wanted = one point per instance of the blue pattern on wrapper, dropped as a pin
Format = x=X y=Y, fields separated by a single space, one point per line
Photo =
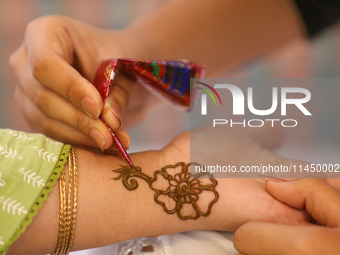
x=181 y=78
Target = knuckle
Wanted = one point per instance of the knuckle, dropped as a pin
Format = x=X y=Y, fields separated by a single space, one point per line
x=123 y=91
x=70 y=90
x=120 y=97
x=39 y=66
x=79 y=122
x=41 y=101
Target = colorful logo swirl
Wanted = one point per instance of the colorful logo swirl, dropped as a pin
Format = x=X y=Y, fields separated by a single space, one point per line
x=208 y=92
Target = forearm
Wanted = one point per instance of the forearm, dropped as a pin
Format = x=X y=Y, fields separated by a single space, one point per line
x=107 y=212
x=218 y=33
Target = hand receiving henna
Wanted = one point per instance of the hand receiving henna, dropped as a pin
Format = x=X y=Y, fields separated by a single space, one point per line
x=240 y=200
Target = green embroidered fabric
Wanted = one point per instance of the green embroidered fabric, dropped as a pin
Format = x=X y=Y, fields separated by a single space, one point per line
x=44 y=193
x=26 y=161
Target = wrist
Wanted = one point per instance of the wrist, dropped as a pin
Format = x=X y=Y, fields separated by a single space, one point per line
x=147 y=217
x=183 y=203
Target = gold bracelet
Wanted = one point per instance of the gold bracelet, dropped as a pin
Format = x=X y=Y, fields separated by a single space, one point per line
x=75 y=200
x=68 y=188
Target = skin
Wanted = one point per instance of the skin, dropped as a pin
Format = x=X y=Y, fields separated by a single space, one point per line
x=320 y=200
x=58 y=58
x=101 y=220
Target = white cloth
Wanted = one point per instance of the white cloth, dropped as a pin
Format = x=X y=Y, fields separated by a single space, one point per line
x=187 y=243
x=199 y=243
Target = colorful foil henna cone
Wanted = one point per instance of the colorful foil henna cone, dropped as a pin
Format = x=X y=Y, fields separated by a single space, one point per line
x=167 y=79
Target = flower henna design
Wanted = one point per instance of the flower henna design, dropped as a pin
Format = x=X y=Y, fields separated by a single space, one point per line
x=180 y=187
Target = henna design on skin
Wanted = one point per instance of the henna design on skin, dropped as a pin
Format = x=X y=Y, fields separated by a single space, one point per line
x=181 y=188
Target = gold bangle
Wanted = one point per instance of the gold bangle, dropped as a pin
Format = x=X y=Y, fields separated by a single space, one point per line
x=68 y=188
x=75 y=200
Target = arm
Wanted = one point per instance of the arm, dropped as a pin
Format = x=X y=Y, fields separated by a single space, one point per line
x=109 y=213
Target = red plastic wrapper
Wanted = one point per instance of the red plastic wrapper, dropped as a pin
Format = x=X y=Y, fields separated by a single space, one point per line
x=168 y=79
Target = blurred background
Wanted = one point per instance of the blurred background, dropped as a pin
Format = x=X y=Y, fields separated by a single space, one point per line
x=317 y=58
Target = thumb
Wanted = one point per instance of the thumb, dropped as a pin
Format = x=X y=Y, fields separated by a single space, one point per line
x=320 y=199
x=117 y=100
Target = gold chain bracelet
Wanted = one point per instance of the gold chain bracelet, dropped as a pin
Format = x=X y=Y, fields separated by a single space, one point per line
x=68 y=189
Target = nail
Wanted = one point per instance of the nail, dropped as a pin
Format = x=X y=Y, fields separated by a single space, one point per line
x=112 y=118
x=98 y=138
x=90 y=107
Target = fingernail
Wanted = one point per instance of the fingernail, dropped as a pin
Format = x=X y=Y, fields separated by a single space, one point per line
x=98 y=138
x=112 y=118
x=90 y=107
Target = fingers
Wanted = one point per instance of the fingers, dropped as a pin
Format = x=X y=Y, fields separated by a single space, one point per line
x=50 y=54
x=54 y=107
x=118 y=100
x=56 y=74
x=57 y=129
x=50 y=127
x=321 y=200
x=256 y=238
